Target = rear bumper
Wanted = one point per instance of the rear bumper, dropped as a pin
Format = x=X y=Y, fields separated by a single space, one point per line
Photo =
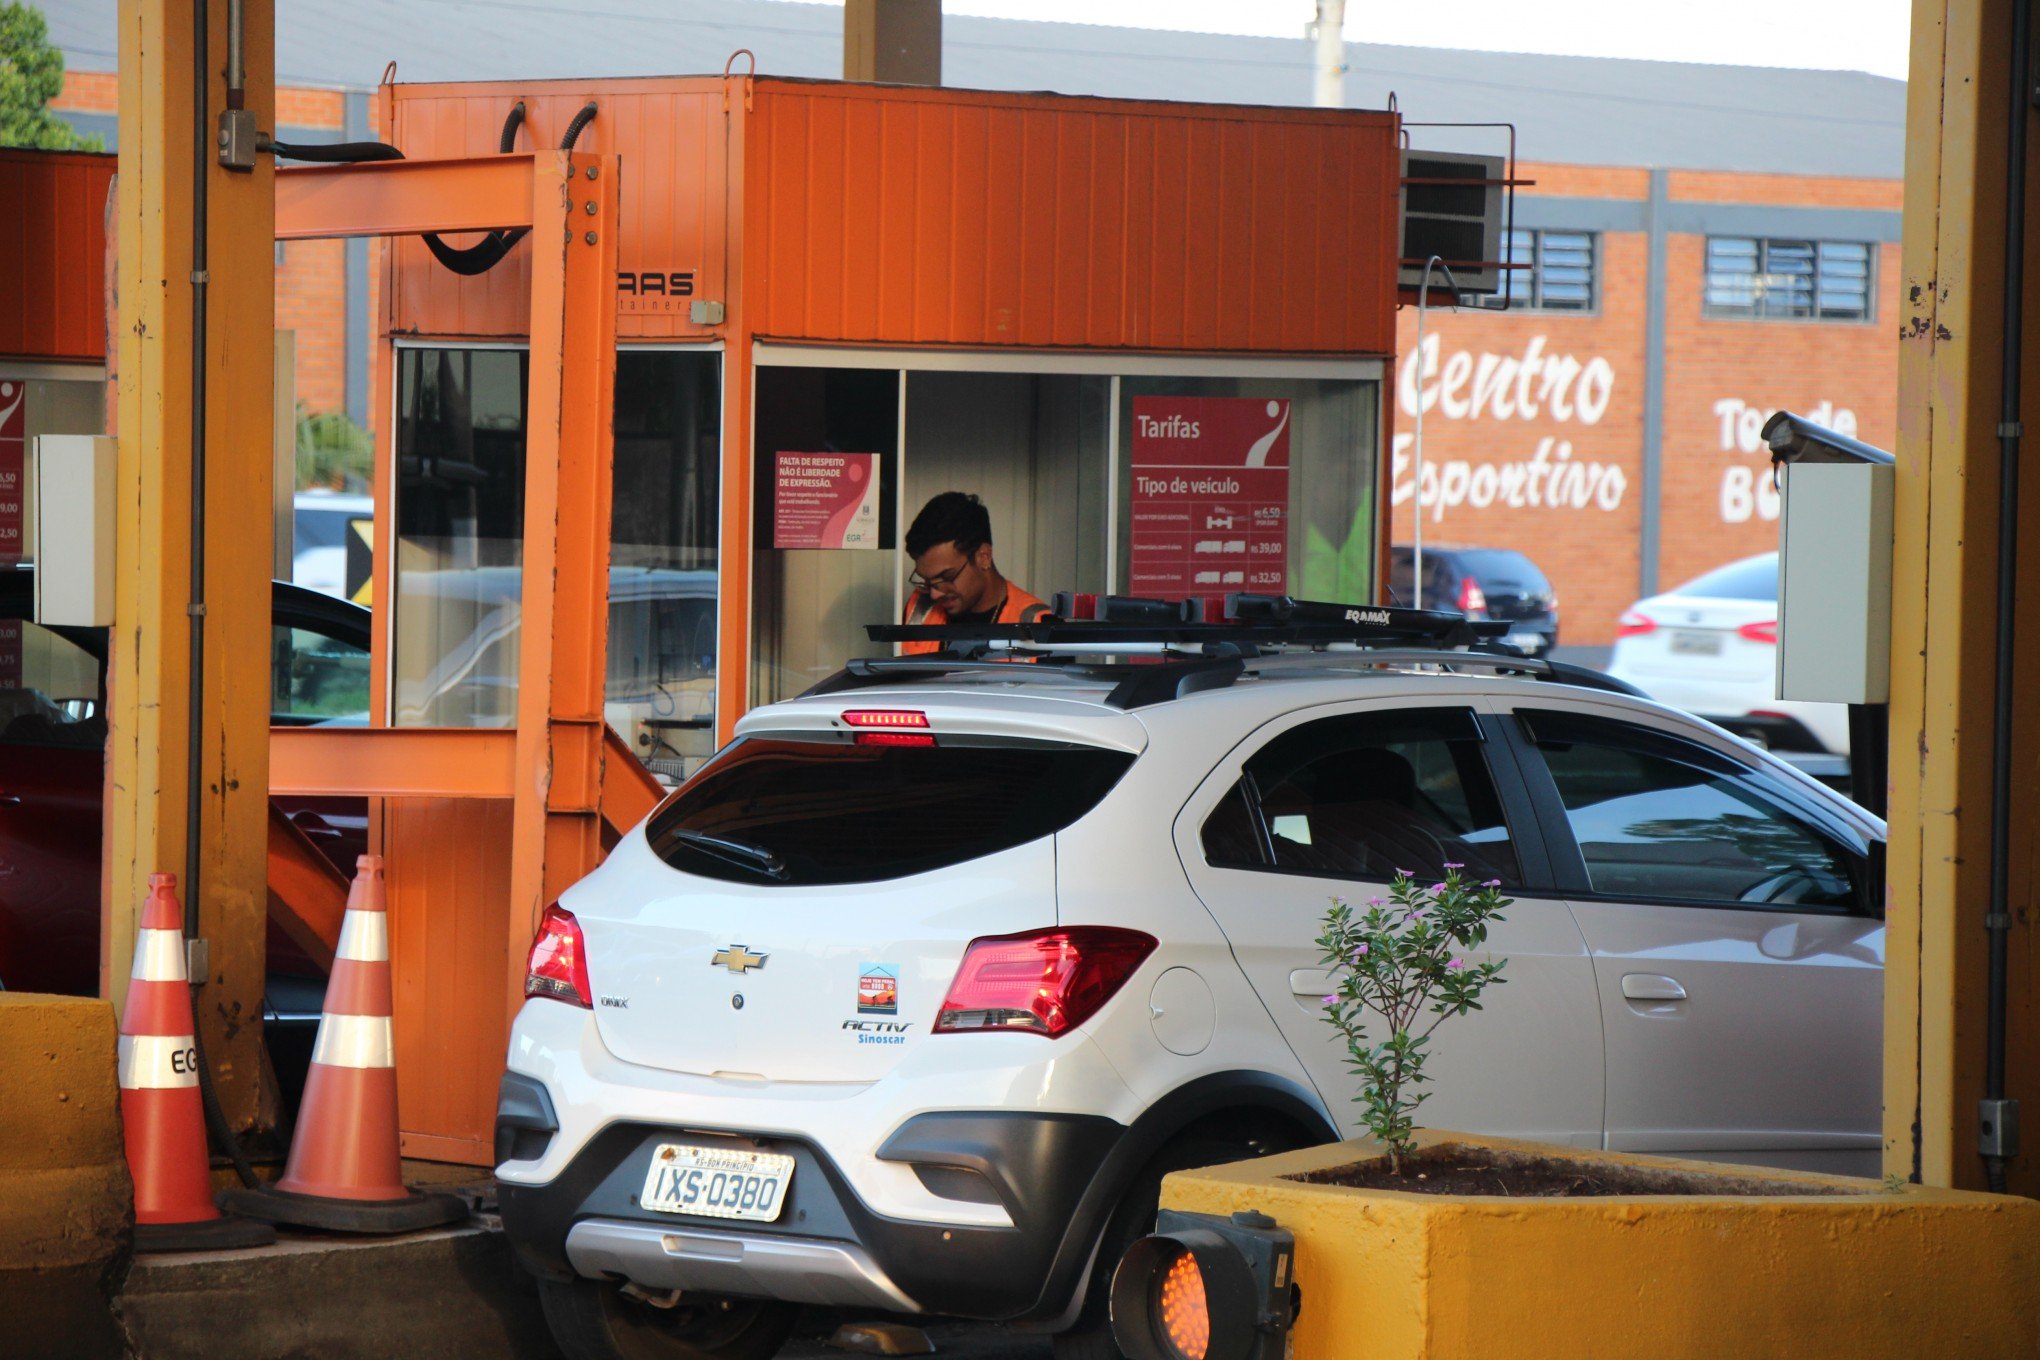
x=799 y=1270
x=828 y=1246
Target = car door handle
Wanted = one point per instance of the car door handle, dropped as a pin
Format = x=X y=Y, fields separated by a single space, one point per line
x=1310 y=982
x=10 y=800
x=1652 y=987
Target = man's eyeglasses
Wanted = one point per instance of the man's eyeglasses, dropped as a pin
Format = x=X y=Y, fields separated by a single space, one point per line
x=940 y=578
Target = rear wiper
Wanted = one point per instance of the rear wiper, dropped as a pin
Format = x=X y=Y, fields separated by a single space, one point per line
x=735 y=852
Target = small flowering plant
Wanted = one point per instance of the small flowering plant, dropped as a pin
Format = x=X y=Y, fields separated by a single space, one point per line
x=1401 y=959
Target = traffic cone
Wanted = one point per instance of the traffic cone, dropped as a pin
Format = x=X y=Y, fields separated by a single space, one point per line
x=160 y=1106
x=344 y=1171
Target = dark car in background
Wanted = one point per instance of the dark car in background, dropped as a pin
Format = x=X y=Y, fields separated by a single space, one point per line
x=1481 y=583
x=52 y=782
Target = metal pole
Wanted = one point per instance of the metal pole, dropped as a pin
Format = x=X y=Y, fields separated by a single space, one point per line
x=1423 y=306
x=1330 y=34
x=1998 y=1119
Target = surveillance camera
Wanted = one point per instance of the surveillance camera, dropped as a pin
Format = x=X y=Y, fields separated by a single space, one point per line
x=1795 y=439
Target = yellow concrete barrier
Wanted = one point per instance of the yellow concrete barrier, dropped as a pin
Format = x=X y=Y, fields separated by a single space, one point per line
x=1873 y=1273
x=65 y=1197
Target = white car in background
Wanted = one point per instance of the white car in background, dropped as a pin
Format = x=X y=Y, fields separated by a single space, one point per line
x=320 y=524
x=908 y=999
x=1711 y=648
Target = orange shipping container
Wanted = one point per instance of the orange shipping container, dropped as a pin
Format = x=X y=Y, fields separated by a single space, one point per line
x=53 y=255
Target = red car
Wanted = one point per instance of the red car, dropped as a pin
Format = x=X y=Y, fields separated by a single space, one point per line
x=52 y=761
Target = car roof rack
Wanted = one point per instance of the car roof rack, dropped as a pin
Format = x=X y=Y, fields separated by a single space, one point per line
x=1170 y=650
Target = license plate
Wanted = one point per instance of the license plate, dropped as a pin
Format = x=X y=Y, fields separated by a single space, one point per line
x=1696 y=644
x=717 y=1182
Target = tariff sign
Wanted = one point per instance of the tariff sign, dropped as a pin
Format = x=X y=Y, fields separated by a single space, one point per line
x=13 y=462
x=1210 y=496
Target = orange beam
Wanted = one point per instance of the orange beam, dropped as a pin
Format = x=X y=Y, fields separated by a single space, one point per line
x=403 y=198
x=556 y=834
x=393 y=762
x=629 y=790
x=307 y=895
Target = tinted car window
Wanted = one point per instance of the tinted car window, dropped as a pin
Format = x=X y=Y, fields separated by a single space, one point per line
x=314 y=677
x=1754 y=578
x=800 y=809
x=1502 y=567
x=1659 y=819
x=49 y=689
x=1367 y=795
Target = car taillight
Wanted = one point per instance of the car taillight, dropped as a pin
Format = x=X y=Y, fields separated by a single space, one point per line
x=557 y=967
x=1043 y=982
x=1632 y=624
x=1472 y=599
x=1765 y=631
x=885 y=719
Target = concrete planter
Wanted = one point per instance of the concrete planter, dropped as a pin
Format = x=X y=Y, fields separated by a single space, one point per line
x=1392 y=1275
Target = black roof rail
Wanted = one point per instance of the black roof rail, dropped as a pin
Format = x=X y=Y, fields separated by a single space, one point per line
x=1137 y=685
x=1264 y=620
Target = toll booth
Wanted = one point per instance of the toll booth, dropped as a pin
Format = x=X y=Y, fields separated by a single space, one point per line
x=1152 y=336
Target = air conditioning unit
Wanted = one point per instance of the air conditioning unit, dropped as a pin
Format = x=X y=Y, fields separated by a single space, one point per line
x=1452 y=207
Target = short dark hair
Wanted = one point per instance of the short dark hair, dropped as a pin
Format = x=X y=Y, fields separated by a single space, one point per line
x=951 y=517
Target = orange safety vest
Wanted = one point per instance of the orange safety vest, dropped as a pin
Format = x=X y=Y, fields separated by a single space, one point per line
x=1020 y=607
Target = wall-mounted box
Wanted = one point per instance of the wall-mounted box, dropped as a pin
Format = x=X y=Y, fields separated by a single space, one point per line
x=1834 y=583
x=73 y=515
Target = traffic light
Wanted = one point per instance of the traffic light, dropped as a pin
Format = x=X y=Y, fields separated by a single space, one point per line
x=1207 y=1288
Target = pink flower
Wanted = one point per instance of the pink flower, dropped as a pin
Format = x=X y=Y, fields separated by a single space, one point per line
x=1361 y=952
x=1404 y=873
x=1492 y=883
x=1331 y=1001
x=1456 y=965
x=1450 y=865
x=1377 y=901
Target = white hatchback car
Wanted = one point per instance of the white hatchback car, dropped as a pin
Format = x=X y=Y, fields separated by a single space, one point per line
x=1711 y=647
x=908 y=999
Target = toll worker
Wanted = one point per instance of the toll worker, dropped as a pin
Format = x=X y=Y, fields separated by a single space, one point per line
x=955 y=579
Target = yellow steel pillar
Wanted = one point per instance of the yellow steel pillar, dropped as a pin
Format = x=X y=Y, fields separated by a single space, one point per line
x=1944 y=612
x=150 y=666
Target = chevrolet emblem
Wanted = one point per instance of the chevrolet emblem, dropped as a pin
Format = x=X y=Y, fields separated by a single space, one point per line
x=738 y=959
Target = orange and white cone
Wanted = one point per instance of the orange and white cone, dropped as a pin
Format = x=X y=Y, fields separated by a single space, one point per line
x=160 y=1106
x=345 y=1171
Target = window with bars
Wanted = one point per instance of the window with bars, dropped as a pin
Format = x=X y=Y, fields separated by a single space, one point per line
x=1563 y=275
x=1762 y=277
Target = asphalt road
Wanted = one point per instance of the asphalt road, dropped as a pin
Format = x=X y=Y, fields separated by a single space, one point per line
x=962 y=1341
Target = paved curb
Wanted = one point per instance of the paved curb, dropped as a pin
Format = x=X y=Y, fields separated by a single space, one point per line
x=450 y=1293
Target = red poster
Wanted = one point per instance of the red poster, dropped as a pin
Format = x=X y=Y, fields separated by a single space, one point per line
x=13 y=462
x=825 y=500
x=1210 y=496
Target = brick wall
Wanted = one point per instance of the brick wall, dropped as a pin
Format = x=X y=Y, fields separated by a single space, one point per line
x=311 y=276
x=1563 y=483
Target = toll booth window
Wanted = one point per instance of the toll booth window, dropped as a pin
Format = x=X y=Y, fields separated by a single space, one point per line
x=664 y=526
x=818 y=577
x=460 y=445
x=1256 y=484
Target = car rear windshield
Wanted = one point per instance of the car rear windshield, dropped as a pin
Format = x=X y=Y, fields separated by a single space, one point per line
x=803 y=809
x=1753 y=578
x=1503 y=567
